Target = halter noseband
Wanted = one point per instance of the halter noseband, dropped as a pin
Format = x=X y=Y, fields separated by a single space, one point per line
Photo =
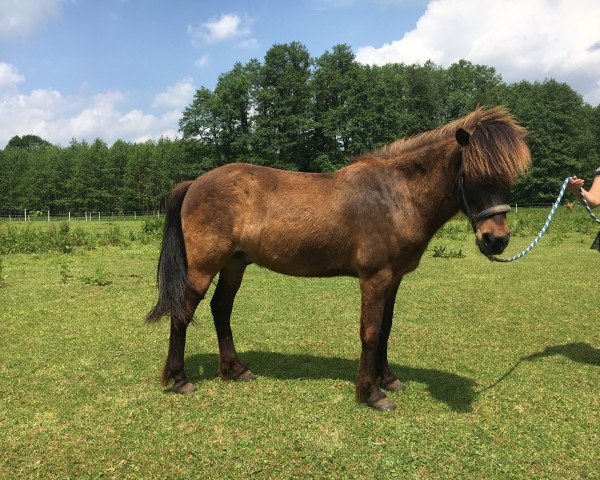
x=476 y=217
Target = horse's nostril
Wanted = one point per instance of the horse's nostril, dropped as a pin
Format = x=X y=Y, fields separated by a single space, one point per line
x=487 y=238
x=494 y=242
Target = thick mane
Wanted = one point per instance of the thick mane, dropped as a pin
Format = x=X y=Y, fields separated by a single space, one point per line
x=403 y=145
x=496 y=152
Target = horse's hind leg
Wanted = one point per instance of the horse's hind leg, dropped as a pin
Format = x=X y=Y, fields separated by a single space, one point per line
x=174 y=366
x=388 y=380
x=230 y=278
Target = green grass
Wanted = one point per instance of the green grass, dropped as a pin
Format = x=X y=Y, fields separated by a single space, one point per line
x=501 y=362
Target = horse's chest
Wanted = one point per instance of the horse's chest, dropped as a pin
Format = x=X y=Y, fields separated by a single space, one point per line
x=401 y=249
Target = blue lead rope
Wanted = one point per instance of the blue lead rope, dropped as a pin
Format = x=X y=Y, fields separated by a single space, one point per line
x=543 y=230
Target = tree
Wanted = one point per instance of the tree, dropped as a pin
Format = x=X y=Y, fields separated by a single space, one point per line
x=363 y=111
x=168 y=159
x=200 y=128
x=233 y=110
x=331 y=84
x=295 y=113
x=27 y=142
x=467 y=86
x=116 y=165
x=424 y=99
x=44 y=179
x=593 y=114
x=27 y=177
x=13 y=165
x=283 y=122
x=561 y=142
x=77 y=186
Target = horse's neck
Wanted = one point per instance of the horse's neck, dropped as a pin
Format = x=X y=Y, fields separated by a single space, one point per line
x=433 y=190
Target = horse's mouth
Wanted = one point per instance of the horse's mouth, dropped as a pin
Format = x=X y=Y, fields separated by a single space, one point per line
x=491 y=248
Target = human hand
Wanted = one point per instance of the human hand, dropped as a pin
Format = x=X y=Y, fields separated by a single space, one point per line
x=575 y=184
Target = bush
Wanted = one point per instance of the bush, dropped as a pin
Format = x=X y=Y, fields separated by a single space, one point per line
x=442 y=251
x=2 y=276
x=99 y=279
x=153 y=227
x=37 y=240
x=113 y=237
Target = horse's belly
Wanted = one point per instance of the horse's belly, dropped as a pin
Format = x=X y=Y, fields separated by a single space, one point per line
x=298 y=256
x=304 y=269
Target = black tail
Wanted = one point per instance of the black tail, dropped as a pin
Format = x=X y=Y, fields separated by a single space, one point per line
x=172 y=265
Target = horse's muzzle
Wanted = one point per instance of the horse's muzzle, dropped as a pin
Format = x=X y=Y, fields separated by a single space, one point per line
x=492 y=244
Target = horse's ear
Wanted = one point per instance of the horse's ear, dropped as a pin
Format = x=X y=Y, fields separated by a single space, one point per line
x=462 y=137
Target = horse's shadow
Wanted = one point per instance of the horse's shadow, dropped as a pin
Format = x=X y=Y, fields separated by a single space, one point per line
x=456 y=391
x=578 y=352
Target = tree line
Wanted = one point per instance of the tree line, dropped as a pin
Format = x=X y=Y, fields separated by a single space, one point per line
x=296 y=112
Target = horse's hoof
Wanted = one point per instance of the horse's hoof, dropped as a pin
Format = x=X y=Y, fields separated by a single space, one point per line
x=246 y=376
x=183 y=388
x=394 y=386
x=384 y=404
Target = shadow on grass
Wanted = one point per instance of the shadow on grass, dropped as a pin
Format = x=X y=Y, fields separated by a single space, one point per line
x=456 y=391
x=578 y=352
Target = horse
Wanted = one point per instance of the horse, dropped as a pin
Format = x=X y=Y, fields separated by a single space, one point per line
x=371 y=220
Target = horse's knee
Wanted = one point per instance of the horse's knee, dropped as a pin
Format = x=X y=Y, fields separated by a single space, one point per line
x=370 y=336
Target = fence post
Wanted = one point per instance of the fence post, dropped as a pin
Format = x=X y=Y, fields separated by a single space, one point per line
x=134 y=216
x=69 y=216
x=48 y=215
x=516 y=208
x=25 y=214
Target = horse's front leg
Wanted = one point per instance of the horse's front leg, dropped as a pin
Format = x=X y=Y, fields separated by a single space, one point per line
x=374 y=291
x=388 y=380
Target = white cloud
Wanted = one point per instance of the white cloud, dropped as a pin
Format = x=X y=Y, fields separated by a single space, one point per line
x=227 y=27
x=24 y=18
x=176 y=96
x=530 y=40
x=9 y=77
x=249 y=43
x=59 y=118
x=202 y=61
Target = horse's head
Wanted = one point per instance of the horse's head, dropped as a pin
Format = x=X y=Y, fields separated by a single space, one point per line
x=491 y=158
x=486 y=206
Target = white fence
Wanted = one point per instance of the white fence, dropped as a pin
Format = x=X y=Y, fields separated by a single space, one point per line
x=48 y=216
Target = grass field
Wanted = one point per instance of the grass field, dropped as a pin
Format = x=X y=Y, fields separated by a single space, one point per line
x=501 y=362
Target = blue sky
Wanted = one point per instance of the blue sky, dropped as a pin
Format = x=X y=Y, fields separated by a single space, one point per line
x=126 y=68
